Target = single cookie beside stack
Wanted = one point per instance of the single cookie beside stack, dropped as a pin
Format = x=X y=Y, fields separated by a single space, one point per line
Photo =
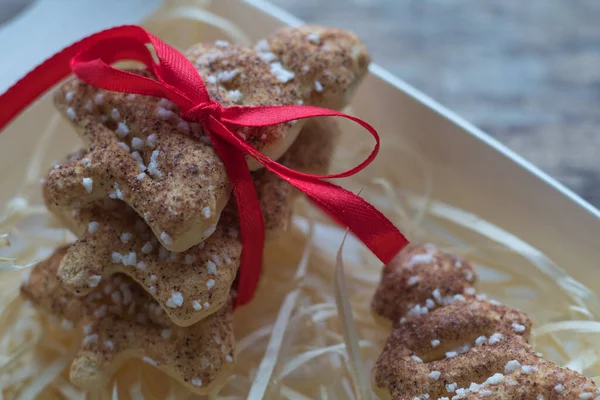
x=450 y=343
x=158 y=247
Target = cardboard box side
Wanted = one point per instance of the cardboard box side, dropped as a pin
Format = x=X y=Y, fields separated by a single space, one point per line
x=470 y=174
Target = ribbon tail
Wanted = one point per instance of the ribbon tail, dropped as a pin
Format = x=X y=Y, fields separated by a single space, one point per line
x=367 y=223
x=51 y=72
x=251 y=221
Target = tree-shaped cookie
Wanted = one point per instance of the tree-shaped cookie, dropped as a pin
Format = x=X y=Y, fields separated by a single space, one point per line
x=120 y=321
x=188 y=285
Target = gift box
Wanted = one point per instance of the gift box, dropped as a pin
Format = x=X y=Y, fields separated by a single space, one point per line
x=309 y=332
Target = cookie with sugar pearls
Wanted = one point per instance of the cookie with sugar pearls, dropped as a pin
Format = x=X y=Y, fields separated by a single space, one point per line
x=121 y=321
x=114 y=239
x=451 y=343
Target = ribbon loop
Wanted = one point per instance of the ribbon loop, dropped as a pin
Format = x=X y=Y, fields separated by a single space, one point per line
x=179 y=81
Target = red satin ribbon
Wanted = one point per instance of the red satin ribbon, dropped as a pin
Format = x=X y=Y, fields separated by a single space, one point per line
x=178 y=81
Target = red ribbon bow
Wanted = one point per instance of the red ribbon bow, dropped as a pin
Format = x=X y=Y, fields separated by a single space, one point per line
x=178 y=81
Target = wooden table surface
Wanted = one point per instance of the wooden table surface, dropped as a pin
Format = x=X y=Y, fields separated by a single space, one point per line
x=525 y=71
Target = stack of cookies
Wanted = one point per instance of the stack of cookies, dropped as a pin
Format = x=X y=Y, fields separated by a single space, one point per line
x=152 y=274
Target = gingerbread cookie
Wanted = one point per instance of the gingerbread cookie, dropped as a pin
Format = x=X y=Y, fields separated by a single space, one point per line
x=120 y=321
x=113 y=239
x=189 y=286
x=458 y=345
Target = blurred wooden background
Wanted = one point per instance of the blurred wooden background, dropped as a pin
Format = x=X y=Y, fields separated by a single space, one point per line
x=525 y=71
